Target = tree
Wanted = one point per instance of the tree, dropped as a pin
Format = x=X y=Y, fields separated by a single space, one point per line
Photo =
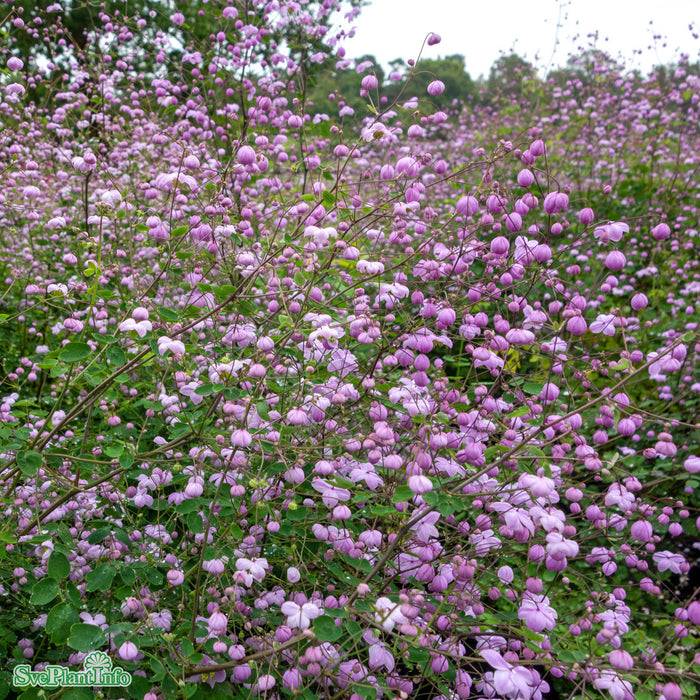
x=508 y=76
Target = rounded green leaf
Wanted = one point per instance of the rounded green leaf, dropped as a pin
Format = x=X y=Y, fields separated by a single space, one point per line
x=59 y=621
x=29 y=461
x=325 y=629
x=59 y=566
x=44 y=591
x=74 y=352
x=101 y=578
x=85 y=637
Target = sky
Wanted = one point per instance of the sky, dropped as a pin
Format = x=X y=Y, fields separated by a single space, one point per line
x=544 y=32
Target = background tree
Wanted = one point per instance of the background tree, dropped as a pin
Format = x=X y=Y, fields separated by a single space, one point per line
x=509 y=75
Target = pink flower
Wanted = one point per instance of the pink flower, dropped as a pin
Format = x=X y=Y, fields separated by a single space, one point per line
x=370 y=82
x=214 y=566
x=246 y=155
x=112 y=198
x=128 y=651
x=692 y=464
x=256 y=569
x=555 y=201
x=419 y=483
x=615 y=260
x=639 y=301
x=661 y=232
x=536 y=612
x=621 y=659
x=669 y=561
x=241 y=438
x=500 y=245
x=576 y=325
x=610 y=681
x=642 y=531
x=265 y=682
x=175 y=577
x=436 y=87
x=519 y=336
x=468 y=205
x=218 y=623
x=509 y=681
x=525 y=178
x=611 y=232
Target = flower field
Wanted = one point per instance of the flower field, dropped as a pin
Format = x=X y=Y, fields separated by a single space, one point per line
x=397 y=400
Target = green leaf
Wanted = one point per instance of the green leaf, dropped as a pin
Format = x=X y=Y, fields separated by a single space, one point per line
x=402 y=493
x=59 y=621
x=59 y=566
x=100 y=579
x=299 y=278
x=328 y=197
x=300 y=513
x=98 y=535
x=125 y=461
x=188 y=506
x=186 y=646
x=154 y=576
x=326 y=630
x=158 y=669
x=532 y=388
x=44 y=591
x=73 y=594
x=29 y=462
x=116 y=356
x=208 y=389
x=195 y=523
x=167 y=314
x=77 y=694
x=127 y=575
x=74 y=352
x=85 y=637
x=114 y=451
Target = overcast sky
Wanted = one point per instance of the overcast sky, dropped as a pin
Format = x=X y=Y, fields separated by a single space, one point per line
x=544 y=32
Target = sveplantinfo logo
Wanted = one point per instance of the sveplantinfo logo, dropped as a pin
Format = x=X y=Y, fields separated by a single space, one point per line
x=97 y=671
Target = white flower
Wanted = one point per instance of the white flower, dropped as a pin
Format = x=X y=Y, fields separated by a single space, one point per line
x=300 y=615
x=604 y=323
x=111 y=198
x=177 y=347
x=388 y=614
x=141 y=327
